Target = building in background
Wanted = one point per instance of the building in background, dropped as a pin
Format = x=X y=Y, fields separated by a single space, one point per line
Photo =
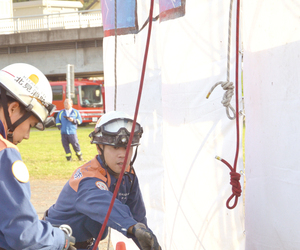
x=91 y=4
x=41 y=7
x=6 y=8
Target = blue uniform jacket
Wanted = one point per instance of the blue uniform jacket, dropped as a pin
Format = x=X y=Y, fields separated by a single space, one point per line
x=84 y=201
x=68 y=127
x=20 y=227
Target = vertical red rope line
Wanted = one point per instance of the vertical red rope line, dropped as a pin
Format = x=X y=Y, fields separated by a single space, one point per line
x=237 y=83
x=235 y=177
x=132 y=130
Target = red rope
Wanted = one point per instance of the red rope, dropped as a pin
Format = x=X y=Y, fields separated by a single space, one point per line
x=234 y=176
x=132 y=130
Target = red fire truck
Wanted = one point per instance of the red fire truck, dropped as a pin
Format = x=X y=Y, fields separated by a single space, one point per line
x=89 y=98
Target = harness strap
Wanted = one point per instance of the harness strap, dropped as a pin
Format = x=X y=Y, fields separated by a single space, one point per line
x=5 y=107
x=11 y=127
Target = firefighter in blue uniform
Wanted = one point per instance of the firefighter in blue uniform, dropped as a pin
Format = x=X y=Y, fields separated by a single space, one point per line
x=25 y=102
x=84 y=200
x=67 y=121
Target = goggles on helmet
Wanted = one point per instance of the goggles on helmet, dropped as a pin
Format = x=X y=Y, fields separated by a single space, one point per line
x=48 y=122
x=50 y=107
x=116 y=132
x=47 y=105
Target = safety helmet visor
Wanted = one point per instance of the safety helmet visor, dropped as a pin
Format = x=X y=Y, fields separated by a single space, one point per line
x=48 y=108
x=49 y=122
x=116 y=141
x=116 y=132
x=114 y=126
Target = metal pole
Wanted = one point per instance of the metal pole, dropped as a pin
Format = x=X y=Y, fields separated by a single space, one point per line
x=70 y=81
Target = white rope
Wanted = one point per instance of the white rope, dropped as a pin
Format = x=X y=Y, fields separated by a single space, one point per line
x=227 y=86
x=115 y=57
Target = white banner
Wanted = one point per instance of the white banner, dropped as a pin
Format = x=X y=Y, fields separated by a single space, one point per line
x=185 y=188
x=271 y=85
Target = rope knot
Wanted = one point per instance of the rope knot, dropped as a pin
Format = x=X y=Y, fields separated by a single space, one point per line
x=228 y=87
x=229 y=91
x=235 y=183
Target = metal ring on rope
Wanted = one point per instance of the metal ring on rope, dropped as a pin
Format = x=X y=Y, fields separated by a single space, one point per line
x=67 y=229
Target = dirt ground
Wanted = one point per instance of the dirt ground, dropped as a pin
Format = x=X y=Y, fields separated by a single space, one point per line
x=44 y=194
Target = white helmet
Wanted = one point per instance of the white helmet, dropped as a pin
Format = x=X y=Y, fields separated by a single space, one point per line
x=29 y=86
x=114 y=129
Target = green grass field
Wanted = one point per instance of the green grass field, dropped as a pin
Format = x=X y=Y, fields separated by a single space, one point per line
x=44 y=155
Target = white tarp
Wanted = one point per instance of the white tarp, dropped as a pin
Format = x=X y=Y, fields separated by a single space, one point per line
x=185 y=188
x=272 y=103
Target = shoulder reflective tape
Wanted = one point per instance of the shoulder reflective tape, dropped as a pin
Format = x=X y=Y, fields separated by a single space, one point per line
x=20 y=171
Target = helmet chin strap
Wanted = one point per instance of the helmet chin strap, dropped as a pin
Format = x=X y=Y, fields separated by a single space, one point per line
x=104 y=162
x=11 y=127
x=134 y=157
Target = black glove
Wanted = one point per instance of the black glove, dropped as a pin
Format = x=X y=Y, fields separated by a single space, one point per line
x=145 y=237
x=59 y=127
x=69 y=239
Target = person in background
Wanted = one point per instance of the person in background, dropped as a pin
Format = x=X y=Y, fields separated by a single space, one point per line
x=25 y=102
x=85 y=198
x=67 y=121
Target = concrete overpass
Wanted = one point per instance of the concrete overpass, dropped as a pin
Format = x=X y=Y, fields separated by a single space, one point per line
x=51 y=50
